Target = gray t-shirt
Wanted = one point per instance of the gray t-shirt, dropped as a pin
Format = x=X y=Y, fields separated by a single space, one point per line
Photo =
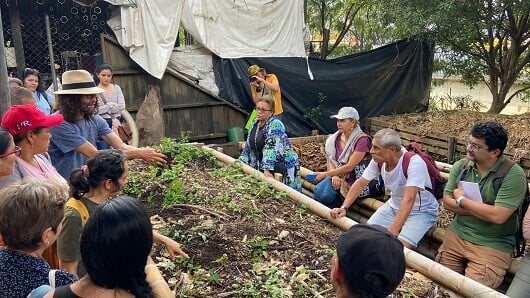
x=68 y=136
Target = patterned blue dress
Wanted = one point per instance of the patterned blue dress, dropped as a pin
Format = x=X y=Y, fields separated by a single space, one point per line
x=21 y=273
x=269 y=148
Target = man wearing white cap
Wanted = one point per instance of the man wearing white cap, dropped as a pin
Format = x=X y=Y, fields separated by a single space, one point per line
x=74 y=140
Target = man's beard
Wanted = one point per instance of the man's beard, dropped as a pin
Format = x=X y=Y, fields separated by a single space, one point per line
x=88 y=111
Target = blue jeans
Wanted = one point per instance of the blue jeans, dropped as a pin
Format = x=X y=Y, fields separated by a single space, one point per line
x=417 y=224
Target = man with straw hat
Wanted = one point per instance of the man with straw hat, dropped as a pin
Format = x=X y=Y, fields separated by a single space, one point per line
x=74 y=140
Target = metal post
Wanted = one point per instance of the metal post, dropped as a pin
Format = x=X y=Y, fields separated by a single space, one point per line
x=16 y=35
x=50 y=51
x=5 y=99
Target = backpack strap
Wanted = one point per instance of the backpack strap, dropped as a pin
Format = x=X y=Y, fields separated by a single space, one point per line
x=80 y=207
x=406 y=161
x=506 y=165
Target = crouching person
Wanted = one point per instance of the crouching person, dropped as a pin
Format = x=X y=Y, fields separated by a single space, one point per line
x=369 y=262
x=411 y=210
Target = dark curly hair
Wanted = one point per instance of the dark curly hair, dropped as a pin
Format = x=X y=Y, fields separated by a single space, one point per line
x=494 y=135
x=70 y=106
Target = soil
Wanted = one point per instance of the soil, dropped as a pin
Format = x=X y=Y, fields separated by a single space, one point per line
x=246 y=240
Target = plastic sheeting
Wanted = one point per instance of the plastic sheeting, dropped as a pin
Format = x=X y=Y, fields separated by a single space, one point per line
x=228 y=28
x=393 y=79
x=148 y=31
x=247 y=28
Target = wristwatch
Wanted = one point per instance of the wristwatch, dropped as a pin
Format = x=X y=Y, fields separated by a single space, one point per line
x=459 y=201
x=344 y=207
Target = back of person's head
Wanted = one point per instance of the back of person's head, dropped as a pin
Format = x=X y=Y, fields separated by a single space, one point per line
x=494 y=135
x=105 y=164
x=15 y=82
x=29 y=207
x=389 y=138
x=115 y=243
x=371 y=260
x=21 y=96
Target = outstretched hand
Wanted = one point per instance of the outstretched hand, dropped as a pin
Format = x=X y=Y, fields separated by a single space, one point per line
x=151 y=155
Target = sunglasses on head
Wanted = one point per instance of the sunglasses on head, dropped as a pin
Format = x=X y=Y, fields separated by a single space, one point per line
x=30 y=71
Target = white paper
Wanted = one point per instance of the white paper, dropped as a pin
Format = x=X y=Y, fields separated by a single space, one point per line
x=471 y=190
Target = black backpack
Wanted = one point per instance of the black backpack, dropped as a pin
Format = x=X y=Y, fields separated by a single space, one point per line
x=520 y=242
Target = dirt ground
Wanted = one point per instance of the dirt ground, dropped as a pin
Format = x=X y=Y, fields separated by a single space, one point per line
x=246 y=240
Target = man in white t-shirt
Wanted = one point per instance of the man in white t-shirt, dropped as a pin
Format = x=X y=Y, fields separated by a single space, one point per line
x=411 y=210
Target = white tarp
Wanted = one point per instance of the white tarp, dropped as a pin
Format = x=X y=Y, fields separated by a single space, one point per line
x=148 y=31
x=247 y=28
x=228 y=28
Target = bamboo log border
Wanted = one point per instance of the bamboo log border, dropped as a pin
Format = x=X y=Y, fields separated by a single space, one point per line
x=441 y=274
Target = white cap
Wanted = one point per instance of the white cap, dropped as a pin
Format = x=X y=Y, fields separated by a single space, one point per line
x=347 y=112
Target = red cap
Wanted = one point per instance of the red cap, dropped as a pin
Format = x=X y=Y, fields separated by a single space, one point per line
x=23 y=118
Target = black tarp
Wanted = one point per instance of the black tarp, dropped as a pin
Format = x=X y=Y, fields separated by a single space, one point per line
x=393 y=79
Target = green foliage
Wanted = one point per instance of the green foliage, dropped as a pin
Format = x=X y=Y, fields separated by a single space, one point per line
x=257 y=245
x=477 y=40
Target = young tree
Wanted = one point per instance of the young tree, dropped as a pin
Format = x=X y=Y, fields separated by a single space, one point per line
x=481 y=40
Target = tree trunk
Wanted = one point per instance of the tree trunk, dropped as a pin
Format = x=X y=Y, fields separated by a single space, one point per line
x=497 y=103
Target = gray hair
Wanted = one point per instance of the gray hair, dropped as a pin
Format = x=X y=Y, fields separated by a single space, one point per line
x=27 y=208
x=388 y=138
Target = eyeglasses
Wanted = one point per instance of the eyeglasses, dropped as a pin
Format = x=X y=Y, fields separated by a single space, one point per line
x=15 y=151
x=474 y=146
x=260 y=110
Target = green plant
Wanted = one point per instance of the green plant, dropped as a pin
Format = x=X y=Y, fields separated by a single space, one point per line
x=258 y=245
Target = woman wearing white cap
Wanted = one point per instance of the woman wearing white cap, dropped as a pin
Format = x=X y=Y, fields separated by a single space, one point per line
x=346 y=150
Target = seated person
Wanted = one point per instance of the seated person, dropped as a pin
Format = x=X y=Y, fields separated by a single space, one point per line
x=268 y=149
x=115 y=244
x=369 y=262
x=520 y=286
x=347 y=154
x=411 y=210
x=479 y=241
x=31 y=212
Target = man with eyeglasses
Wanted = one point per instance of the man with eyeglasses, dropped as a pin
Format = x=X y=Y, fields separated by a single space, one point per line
x=74 y=140
x=480 y=239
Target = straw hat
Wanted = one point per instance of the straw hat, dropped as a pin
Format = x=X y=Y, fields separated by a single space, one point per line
x=253 y=70
x=78 y=81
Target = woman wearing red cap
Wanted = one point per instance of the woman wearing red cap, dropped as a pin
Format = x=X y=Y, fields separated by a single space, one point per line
x=30 y=130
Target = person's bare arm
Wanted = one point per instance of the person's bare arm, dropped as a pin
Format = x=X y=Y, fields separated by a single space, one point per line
x=87 y=149
x=144 y=153
x=352 y=195
x=403 y=212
